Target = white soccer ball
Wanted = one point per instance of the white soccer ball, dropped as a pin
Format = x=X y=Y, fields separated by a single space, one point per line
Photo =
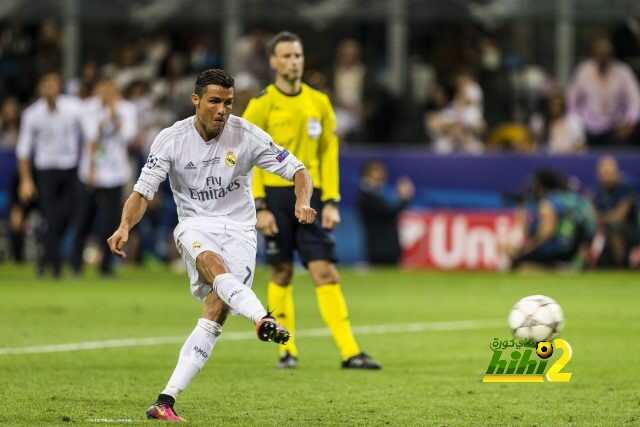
x=536 y=317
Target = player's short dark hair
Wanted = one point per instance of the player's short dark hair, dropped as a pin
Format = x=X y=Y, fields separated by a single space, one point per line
x=282 y=36
x=212 y=76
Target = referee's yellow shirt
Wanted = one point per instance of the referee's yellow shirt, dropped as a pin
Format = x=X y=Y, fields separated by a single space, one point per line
x=305 y=125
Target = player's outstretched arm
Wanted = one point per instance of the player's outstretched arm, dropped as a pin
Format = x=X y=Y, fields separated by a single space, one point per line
x=132 y=212
x=304 y=188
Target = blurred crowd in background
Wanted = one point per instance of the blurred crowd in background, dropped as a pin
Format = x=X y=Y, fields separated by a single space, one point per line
x=466 y=93
x=469 y=90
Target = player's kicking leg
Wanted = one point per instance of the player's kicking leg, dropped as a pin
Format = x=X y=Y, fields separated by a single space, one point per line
x=239 y=297
x=227 y=292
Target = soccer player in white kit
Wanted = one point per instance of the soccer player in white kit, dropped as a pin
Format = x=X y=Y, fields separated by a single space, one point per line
x=208 y=158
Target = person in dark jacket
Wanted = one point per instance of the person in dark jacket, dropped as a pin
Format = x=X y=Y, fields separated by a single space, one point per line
x=617 y=208
x=379 y=208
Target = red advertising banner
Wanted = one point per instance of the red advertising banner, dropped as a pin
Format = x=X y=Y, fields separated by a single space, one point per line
x=453 y=240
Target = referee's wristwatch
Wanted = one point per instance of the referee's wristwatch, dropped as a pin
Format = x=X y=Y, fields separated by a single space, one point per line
x=261 y=204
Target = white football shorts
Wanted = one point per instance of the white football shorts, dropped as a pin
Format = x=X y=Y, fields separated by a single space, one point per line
x=235 y=244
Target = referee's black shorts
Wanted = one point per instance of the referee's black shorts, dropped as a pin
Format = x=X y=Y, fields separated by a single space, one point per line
x=312 y=242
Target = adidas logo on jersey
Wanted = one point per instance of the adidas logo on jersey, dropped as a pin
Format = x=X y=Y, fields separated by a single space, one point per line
x=190 y=165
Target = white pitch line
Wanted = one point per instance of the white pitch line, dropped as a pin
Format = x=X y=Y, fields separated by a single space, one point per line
x=397 y=328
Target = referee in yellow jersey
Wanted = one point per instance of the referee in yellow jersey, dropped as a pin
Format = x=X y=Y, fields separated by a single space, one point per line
x=301 y=119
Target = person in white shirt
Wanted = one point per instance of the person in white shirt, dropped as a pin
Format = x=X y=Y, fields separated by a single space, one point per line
x=50 y=131
x=209 y=157
x=109 y=126
x=605 y=94
x=459 y=126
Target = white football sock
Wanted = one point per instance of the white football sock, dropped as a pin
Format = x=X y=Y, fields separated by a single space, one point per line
x=239 y=297
x=194 y=354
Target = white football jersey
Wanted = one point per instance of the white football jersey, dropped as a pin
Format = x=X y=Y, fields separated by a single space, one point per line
x=212 y=179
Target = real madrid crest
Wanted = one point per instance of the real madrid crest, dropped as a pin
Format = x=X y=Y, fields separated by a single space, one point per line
x=230 y=159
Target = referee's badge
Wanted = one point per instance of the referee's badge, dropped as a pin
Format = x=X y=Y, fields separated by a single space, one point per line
x=230 y=159
x=314 y=128
x=196 y=245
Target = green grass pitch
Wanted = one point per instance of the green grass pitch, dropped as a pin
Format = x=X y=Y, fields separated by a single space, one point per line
x=431 y=376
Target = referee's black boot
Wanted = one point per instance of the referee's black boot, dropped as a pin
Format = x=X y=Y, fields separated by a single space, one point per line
x=361 y=361
x=287 y=361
